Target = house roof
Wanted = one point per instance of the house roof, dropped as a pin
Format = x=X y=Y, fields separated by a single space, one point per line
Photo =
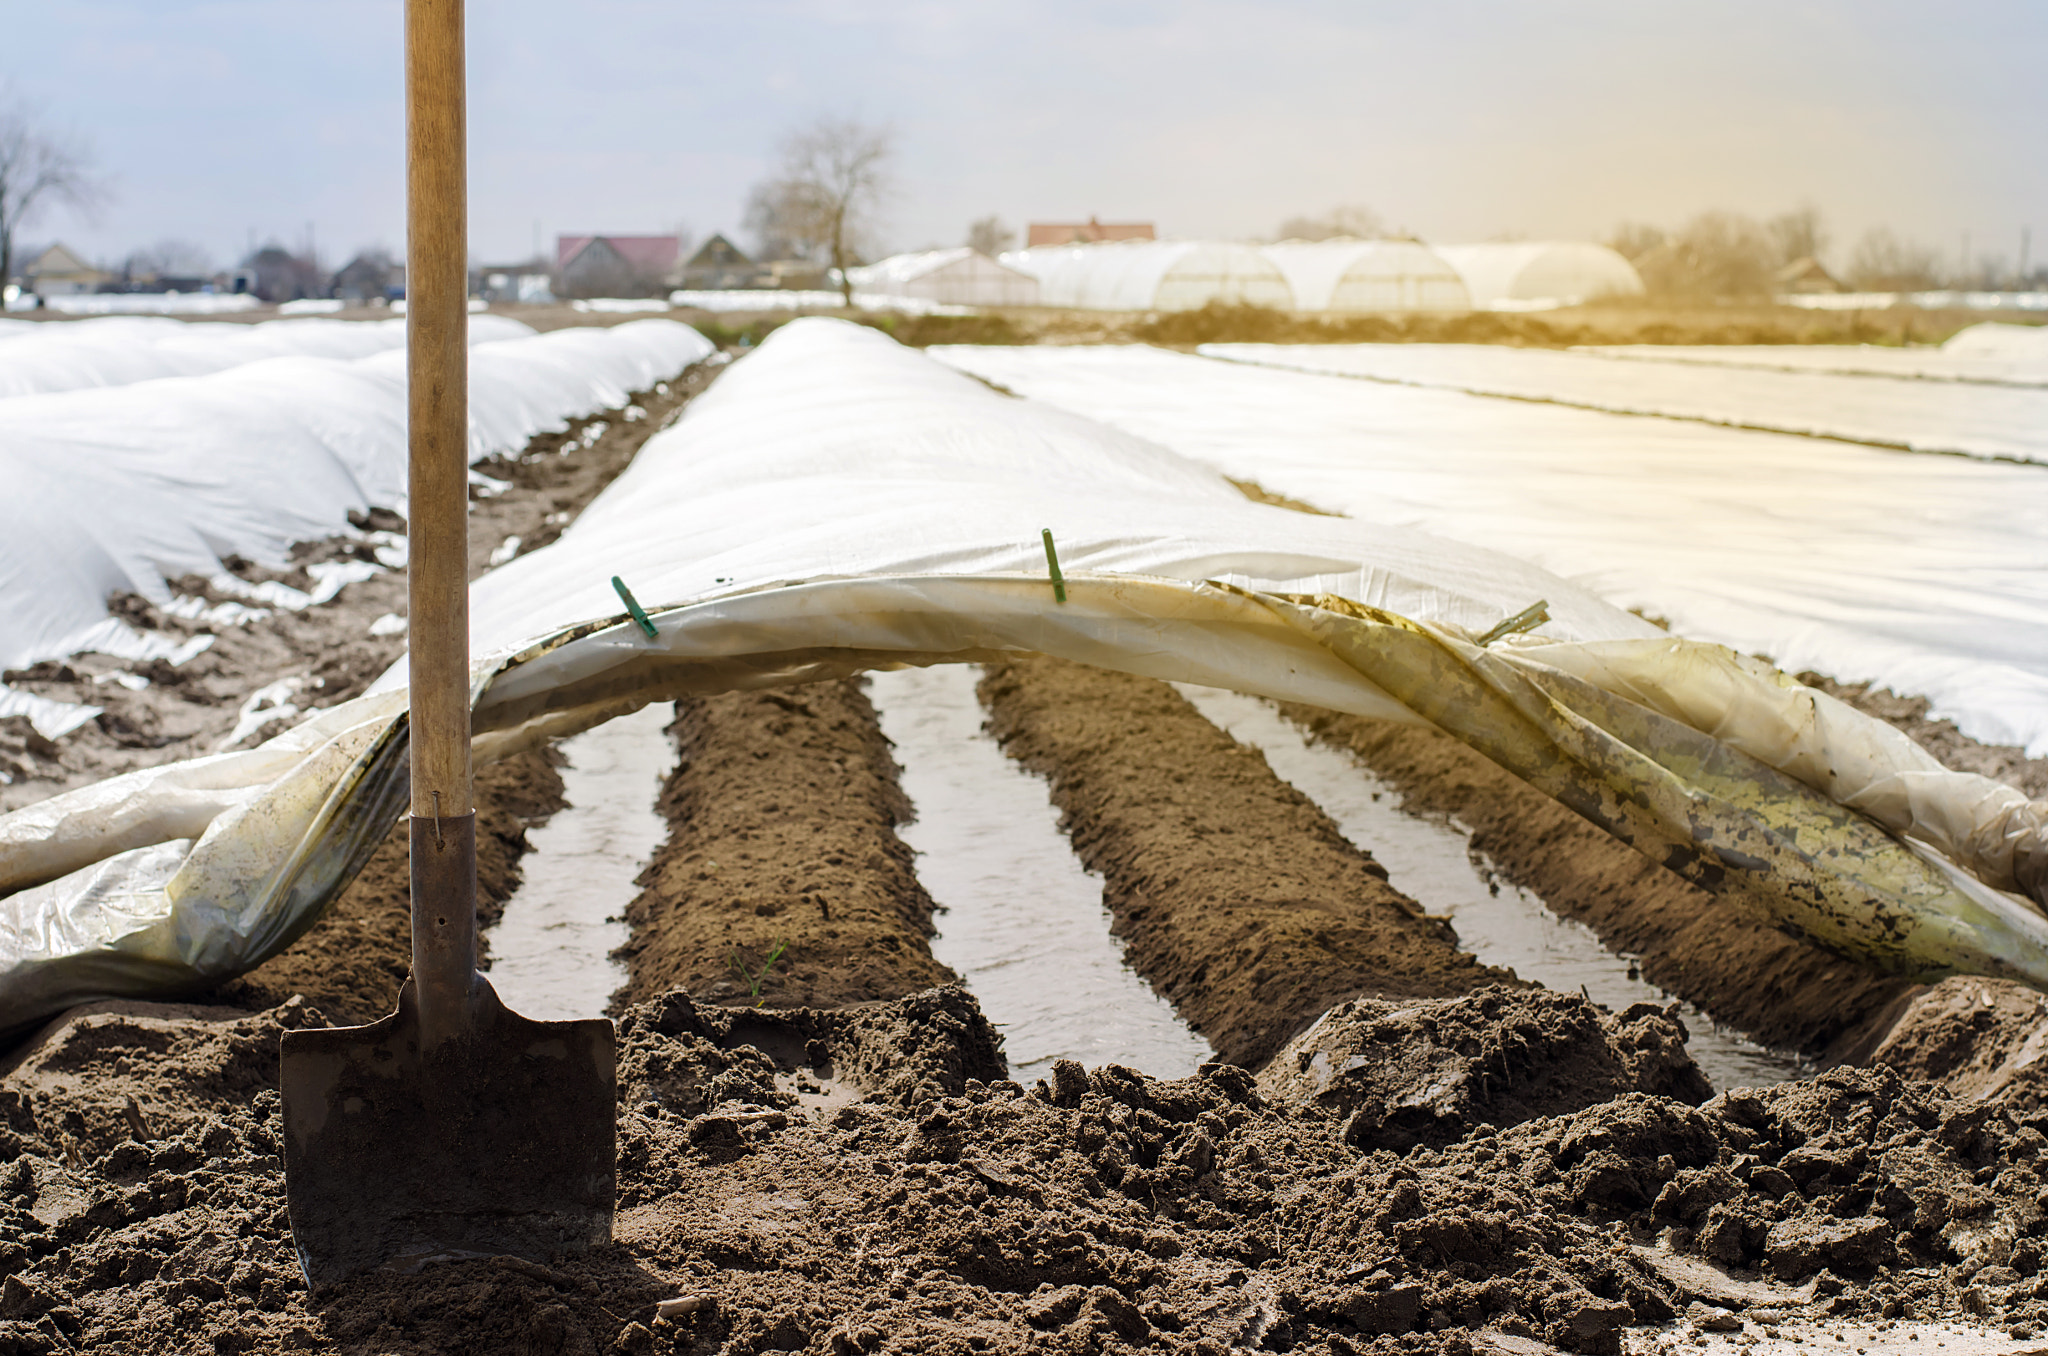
x=717 y=252
x=650 y=253
x=1068 y=233
x=55 y=259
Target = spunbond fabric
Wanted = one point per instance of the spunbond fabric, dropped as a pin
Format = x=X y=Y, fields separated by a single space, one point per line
x=120 y=488
x=837 y=503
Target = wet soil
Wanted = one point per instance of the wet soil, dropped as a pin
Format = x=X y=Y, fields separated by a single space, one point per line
x=1982 y=1039
x=783 y=881
x=351 y=962
x=1783 y=991
x=1236 y=897
x=864 y=1181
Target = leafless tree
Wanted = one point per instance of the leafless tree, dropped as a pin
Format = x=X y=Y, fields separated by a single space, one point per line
x=990 y=236
x=1884 y=263
x=38 y=167
x=169 y=259
x=1352 y=222
x=1634 y=239
x=1716 y=254
x=1797 y=234
x=822 y=202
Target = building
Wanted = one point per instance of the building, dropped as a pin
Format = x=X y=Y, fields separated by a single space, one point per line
x=1362 y=277
x=1805 y=276
x=957 y=277
x=1540 y=274
x=530 y=283
x=1153 y=275
x=721 y=266
x=275 y=274
x=54 y=271
x=1086 y=232
x=369 y=277
x=616 y=265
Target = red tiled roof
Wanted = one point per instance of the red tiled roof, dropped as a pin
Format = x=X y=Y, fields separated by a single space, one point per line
x=1067 y=232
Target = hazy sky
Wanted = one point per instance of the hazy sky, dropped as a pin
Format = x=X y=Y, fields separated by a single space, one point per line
x=1455 y=118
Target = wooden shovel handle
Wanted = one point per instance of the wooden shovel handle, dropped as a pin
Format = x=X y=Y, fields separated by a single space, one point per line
x=437 y=364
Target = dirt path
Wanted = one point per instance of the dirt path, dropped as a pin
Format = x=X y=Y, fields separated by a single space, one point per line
x=783 y=814
x=1235 y=896
x=1783 y=991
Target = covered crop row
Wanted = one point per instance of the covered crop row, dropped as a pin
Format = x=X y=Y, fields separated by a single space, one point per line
x=118 y=489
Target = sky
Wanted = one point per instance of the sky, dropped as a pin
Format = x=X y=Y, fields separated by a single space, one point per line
x=239 y=120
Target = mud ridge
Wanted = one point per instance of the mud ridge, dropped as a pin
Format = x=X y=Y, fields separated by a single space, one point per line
x=863 y=1180
x=1237 y=899
x=1781 y=990
x=783 y=881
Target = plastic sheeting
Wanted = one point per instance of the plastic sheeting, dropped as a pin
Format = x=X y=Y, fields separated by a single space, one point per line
x=117 y=350
x=120 y=488
x=962 y=276
x=1536 y=274
x=1367 y=276
x=837 y=503
x=1153 y=275
x=1995 y=422
x=1928 y=575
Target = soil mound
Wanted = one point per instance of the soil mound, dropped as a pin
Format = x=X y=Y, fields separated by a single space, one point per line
x=1783 y=991
x=1236 y=896
x=1432 y=1071
x=1981 y=1039
x=862 y=1180
x=782 y=880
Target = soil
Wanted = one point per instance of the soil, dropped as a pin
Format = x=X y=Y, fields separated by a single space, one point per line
x=865 y=1181
x=1783 y=991
x=1982 y=1039
x=1235 y=896
x=351 y=962
x=782 y=881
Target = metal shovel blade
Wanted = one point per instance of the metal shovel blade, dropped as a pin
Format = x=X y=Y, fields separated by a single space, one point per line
x=498 y=1141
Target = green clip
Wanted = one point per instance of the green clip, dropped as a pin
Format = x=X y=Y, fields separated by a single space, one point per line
x=1052 y=562
x=633 y=606
x=1534 y=615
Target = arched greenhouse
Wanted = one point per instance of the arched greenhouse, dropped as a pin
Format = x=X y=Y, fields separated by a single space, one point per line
x=1153 y=275
x=1364 y=276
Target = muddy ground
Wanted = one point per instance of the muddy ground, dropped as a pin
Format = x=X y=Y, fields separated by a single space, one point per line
x=823 y=1153
x=1474 y=1168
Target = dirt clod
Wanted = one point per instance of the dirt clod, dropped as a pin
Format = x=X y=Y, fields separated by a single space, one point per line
x=1430 y=1071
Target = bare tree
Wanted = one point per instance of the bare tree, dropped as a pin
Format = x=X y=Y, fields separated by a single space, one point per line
x=821 y=204
x=1352 y=222
x=1797 y=234
x=168 y=259
x=1716 y=254
x=38 y=166
x=990 y=236
x=1884 y=263
x=1634 y=239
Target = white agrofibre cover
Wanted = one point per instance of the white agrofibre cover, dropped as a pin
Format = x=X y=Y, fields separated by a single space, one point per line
x=1994 y=422
x=838 y=503
x=121 y=487
x=116 y=350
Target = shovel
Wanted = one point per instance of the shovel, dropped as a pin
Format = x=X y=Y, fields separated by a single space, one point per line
x=454 y=1127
